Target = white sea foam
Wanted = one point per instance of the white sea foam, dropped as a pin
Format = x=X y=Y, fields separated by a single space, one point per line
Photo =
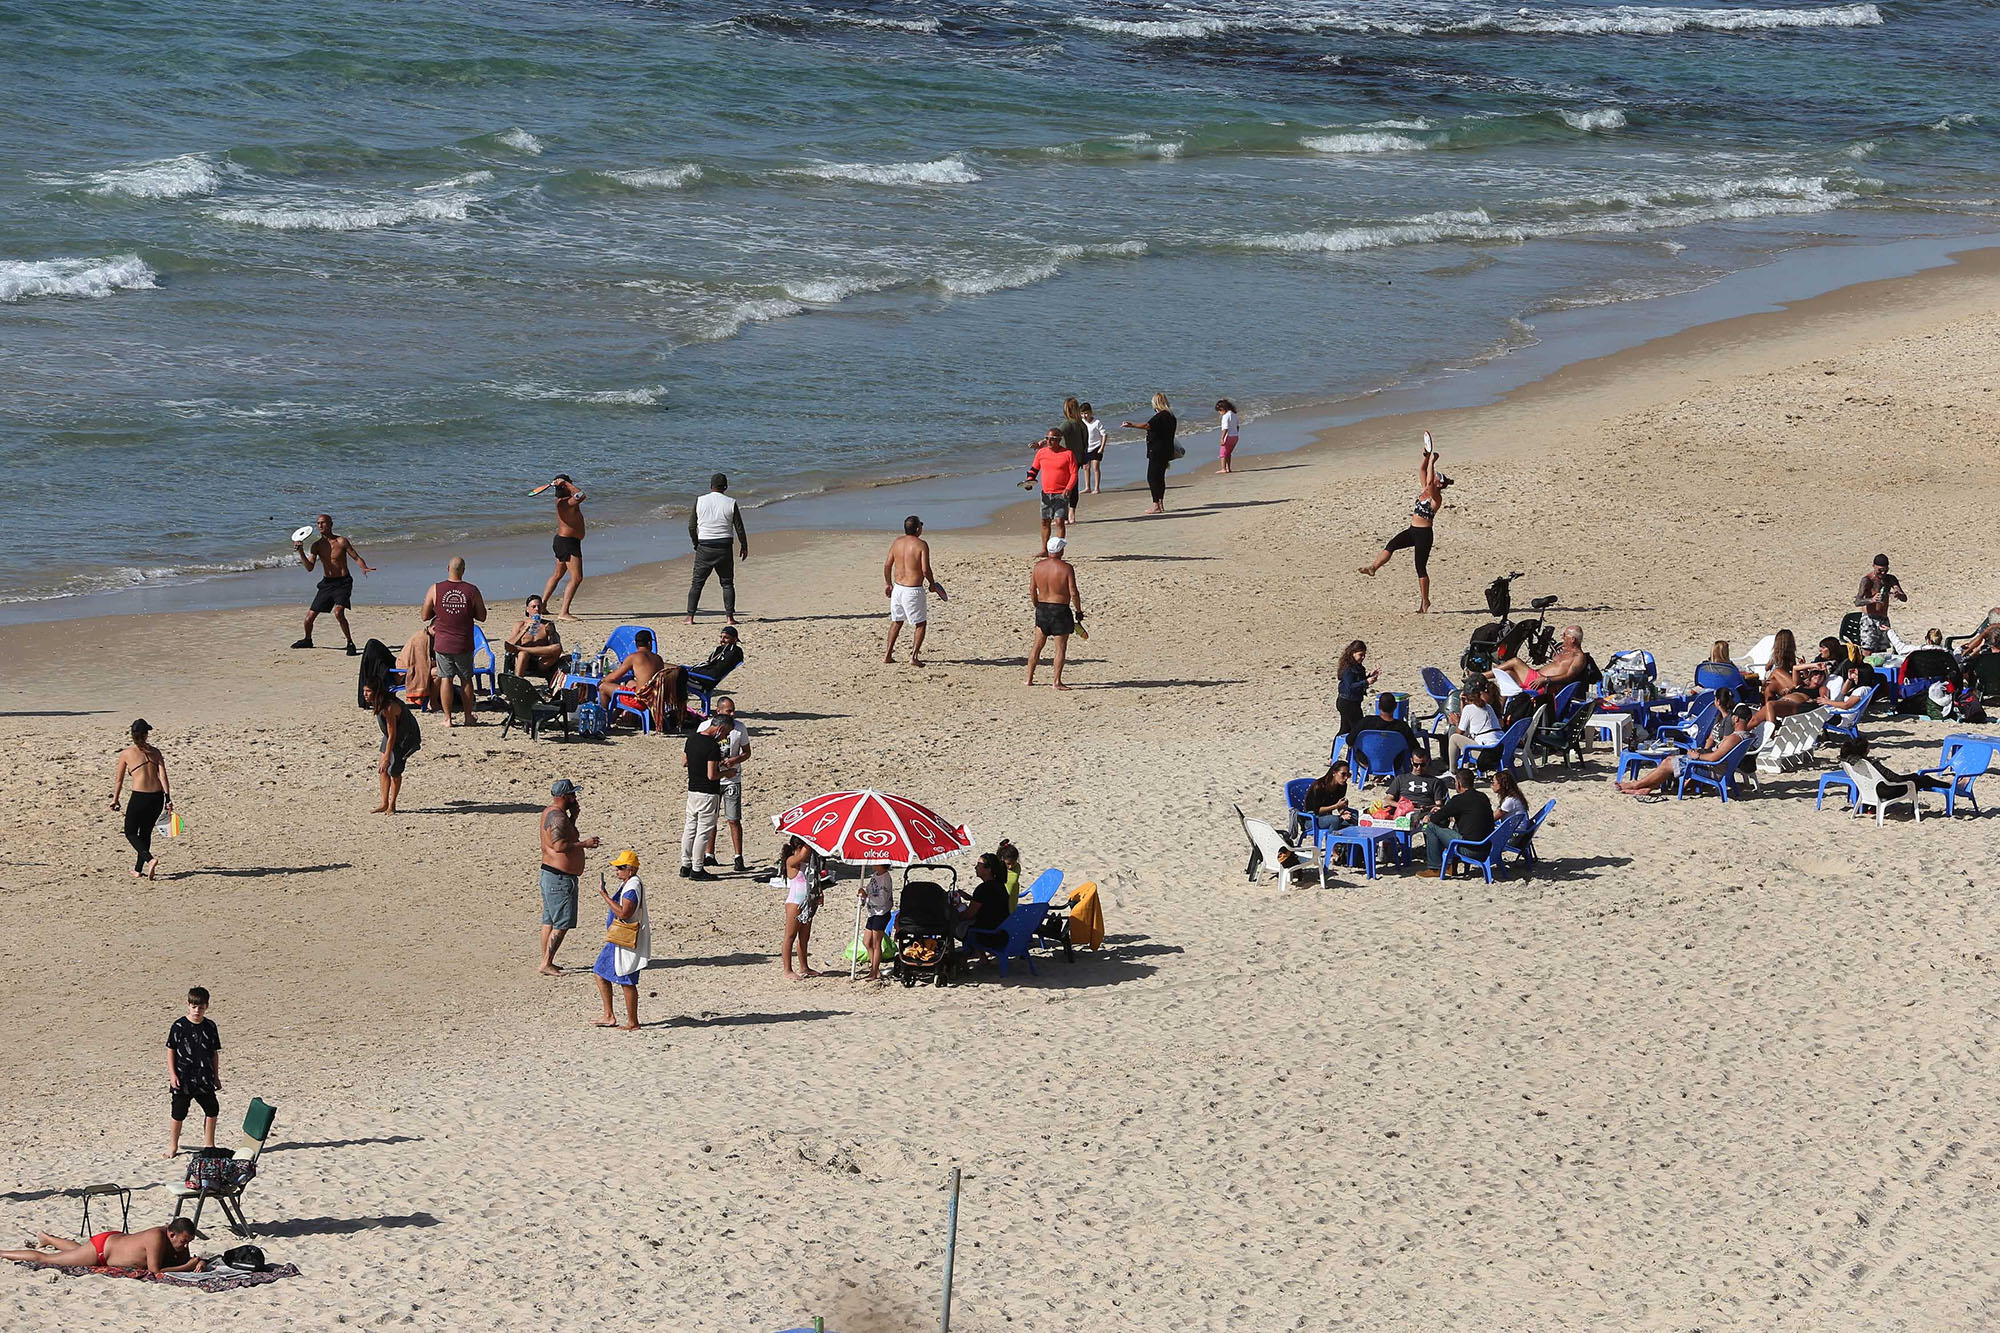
x=349 y=217
x=981 y=282
x=1594 y=122
x=730 y=322
x=22 y=279
x=832 y=291
x=520 y=141
x=1370 y=141
x=1420 y=123
x=532 y=392
x=171 y=178
x=658 y=178
x=1858 y=151
x=927 y=26
x=1676 y=205
x=465 y=182
x=1950 y=123
x=944 y=171
x=1622 y=20
x=1152 y=29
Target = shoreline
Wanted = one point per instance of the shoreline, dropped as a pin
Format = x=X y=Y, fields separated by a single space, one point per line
x=1563 y=342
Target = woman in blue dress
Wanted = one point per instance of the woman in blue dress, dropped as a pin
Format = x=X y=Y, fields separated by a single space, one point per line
x=616 y=965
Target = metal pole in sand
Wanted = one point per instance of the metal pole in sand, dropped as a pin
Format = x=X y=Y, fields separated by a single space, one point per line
x=950 y=1249
x=854 y=949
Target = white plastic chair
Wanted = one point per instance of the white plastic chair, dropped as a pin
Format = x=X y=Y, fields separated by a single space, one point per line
x=1268 y=844
x=1874 y=789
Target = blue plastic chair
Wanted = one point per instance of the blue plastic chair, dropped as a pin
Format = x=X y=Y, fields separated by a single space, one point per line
x=1439 y=687
x=1562 y=706
x=1295 y=802
x=1013 y=937
x=1044 y=888
x=1715 y=773
x=1970 y=761
x=1693 y=733
x=1379 y=754
x=484 y=663
x=1487 y=853
x=624 y=639
x=1846 y=719
x=627 y=704
x=704 y=686
x=1718 y=676
x=1523 y=845
x=1506 y=750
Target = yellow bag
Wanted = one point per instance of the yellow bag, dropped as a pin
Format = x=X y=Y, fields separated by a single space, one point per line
x=624 y=934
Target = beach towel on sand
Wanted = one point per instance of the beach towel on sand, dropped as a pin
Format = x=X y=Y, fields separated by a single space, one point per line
x=220 y=1278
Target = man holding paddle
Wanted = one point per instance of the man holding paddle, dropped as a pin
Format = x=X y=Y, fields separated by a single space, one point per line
x=336 y=586
x=568 y=543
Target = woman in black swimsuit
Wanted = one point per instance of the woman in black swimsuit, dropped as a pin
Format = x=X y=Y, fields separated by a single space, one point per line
x=1417 y=536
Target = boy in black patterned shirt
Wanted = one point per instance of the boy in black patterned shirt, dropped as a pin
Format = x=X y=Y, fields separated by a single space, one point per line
x=194 y=1068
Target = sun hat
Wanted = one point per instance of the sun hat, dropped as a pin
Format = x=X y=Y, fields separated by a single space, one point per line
x=628 y=857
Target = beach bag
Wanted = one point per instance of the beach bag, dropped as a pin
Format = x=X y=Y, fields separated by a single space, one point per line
x=623 y=934
x=1178 y=453
x=591 y=719
x=216 y=1170
x=248 y=1257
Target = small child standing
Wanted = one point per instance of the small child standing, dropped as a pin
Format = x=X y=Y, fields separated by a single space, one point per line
x=878 y=897
x=194 y=1068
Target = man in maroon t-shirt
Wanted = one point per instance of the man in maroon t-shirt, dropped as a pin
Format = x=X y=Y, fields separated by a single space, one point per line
x=450 y=607
x=1055 y=467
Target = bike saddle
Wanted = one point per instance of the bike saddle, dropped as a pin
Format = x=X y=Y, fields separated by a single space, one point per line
x=1543 y=603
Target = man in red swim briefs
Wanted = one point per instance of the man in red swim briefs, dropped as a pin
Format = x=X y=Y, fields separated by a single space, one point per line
x=154 y=1250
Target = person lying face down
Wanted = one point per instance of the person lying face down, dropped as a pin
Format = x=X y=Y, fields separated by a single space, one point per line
x=154 y=1250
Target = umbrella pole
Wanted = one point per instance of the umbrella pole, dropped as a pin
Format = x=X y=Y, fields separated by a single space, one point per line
x=854 y=950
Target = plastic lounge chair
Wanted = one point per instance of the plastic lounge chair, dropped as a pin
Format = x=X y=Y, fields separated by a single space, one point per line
x=1715 y=773
x=1850 y=628
x=1969 y=763
x=1379 y=754
x=526 y=708
x=1045 y=887
x=1791 y=746
x=1487 y=853
x=1562 y=740
x=1846 y=719
x=1267 y=849
x=693 y=682
x=1012 y=938
x=1438 y=685
x=484 y=664
x=1871 y=788
x=1760 y=736
x=1295 y=801
x=1523 y=845
x=257 y=1122
x=1503 y=751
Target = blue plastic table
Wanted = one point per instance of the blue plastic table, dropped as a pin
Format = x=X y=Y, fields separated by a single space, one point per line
x=1366 y=841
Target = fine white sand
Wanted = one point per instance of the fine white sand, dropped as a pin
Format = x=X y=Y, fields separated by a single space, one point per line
x=1720 y=1068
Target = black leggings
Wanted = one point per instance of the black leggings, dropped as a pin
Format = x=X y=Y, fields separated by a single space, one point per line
x=1350 y=716
x=1418 y=540
x=142 y=812
x=1156 y=478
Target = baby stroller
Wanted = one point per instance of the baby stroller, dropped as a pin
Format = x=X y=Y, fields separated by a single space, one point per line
x=926 y=947
x=1532 y=639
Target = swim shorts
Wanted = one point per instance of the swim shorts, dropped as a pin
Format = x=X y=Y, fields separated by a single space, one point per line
x=911 y=604
x=880 y=921
x=568 y=548
x=202 y=1097
x=454 y=666
x=558 y=899
x=732 y=801
x=332 y=593
x=1055 y=506
x=1054 y=618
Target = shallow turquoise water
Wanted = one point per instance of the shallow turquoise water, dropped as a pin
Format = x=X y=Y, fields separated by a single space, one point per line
x=403 y=261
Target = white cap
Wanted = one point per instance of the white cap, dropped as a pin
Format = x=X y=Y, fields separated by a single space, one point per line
x=1056 y=545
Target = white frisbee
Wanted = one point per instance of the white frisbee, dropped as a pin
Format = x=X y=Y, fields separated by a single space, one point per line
x=1428 y=446
x=304 y=533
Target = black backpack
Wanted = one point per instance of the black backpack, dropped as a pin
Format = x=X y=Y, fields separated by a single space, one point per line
x=245 y=1256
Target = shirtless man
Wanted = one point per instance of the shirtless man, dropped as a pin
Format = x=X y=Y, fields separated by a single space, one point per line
x=638 y=675
x=1052 y=586
x=154 y=1250
x=1878 y=585
x=336 y=585
x=562 y=862
x=1566 y=662
x=568 y=543
x=534 y=642
x=906 y=574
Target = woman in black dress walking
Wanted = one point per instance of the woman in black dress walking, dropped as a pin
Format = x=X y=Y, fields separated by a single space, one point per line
x=1159 y=428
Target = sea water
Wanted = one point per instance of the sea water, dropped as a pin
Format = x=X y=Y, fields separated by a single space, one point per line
x=403 y=262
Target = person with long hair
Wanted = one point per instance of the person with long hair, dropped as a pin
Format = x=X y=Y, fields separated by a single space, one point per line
x=1417 y=536
x=146 y=767
x=1230 y=427
x=795 y=867
x=1785 y=691
x=1352 y=679
x=1159 y=428
x=1075 y=438
x=1507 y=797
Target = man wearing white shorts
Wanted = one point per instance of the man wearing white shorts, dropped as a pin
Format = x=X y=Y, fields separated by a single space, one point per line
x=907 y=581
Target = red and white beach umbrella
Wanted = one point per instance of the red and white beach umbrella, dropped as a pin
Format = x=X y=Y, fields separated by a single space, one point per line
x=858 y=826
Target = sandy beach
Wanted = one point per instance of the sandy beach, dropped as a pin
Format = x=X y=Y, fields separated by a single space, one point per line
x=1719 y=1067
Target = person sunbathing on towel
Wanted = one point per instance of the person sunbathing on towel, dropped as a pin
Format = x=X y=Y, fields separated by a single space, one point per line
x=155 y=1250
x=1660 y=774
